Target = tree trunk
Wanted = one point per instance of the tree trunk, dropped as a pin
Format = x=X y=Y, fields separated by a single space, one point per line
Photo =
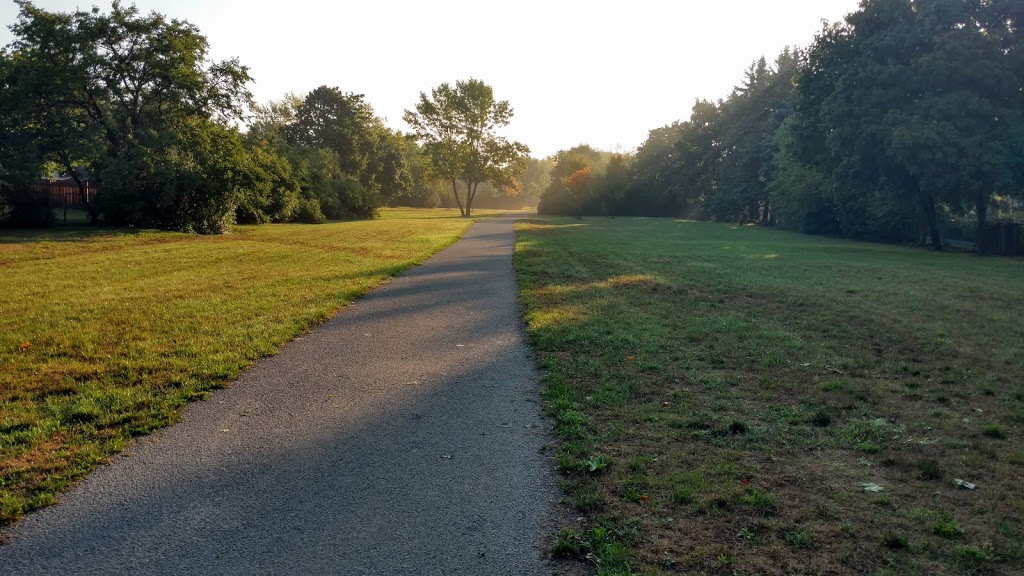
x=455 y=191
x=931 y=218
x=470 y=195
x=766 y=213
x=82 y=195
x=981 y=206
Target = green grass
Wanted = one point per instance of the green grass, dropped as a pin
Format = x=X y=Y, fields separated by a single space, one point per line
x=106 y=334
x=742 y=385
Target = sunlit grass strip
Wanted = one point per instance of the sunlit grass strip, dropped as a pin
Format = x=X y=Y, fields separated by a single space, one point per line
x=107 y=334
x=728 y=399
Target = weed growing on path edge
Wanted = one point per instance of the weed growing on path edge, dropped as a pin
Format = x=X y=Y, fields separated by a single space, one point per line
x=744 y=385
x=107 y=334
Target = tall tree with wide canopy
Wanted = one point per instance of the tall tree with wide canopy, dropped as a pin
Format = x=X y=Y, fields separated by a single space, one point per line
x=655 y=189
x=459 y=126
x=345 y=158
x=912 y=103
x=676 y=171
x=572 y=176
x=131 y=99
x=748 y=122
x=341 y=122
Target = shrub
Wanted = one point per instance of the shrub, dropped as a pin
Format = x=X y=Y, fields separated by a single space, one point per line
x=22 y=207
x=270 y=189
x=309 y=212
x=994 y=430
x=188 y=181
x=355 y=201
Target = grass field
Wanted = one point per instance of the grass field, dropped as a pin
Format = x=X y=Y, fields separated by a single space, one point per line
x=106 y=334
x=738 y=401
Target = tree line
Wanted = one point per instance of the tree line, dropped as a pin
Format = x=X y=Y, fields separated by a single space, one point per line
x=903 y=123
x=130 y=102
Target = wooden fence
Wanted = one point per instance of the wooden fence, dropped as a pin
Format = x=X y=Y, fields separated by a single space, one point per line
x=1004 y=237
x=65 y=193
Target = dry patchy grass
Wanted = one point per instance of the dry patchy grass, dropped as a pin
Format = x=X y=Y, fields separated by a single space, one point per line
x=722 y=395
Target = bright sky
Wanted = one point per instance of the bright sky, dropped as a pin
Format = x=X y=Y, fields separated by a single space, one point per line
x=595 y=72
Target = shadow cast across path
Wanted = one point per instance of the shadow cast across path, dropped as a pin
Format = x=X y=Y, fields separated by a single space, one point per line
x=401 y=437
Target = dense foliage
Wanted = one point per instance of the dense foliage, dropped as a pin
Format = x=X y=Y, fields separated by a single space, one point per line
x=335 y=159
x=902 y=123
x=131 y=101
x=129 y=104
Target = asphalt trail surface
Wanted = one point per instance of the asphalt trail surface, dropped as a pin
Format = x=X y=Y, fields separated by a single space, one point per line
x=401 y=437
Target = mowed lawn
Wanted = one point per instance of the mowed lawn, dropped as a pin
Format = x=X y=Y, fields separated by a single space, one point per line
x=106 y=334
x=738 y=401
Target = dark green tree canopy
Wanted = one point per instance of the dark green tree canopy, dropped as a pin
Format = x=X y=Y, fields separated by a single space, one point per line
x=913 y=104
x=902 y=122
x=341 y=122
x=125 y=97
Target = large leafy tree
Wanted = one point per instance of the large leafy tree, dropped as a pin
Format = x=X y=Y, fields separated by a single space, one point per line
x=535 y=179
x=655 y=189
x=695 y=176
x=130 y=99
x=348 y=160
x=911 y=105
x=341 y=154
x=341 y=122
x=458 y=127
x=611 y=186
x=570 y=191
x=959 y=138
x=391 y=163
x=748 y=122
x=676 y=170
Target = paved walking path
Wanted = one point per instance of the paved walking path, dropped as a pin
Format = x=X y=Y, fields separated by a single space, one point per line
x=401 y=437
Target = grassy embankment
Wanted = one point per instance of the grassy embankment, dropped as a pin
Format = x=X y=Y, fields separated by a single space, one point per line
x=728 y=399
x=106 y=334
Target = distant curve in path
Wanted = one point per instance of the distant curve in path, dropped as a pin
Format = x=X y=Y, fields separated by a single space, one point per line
x=401 y=437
